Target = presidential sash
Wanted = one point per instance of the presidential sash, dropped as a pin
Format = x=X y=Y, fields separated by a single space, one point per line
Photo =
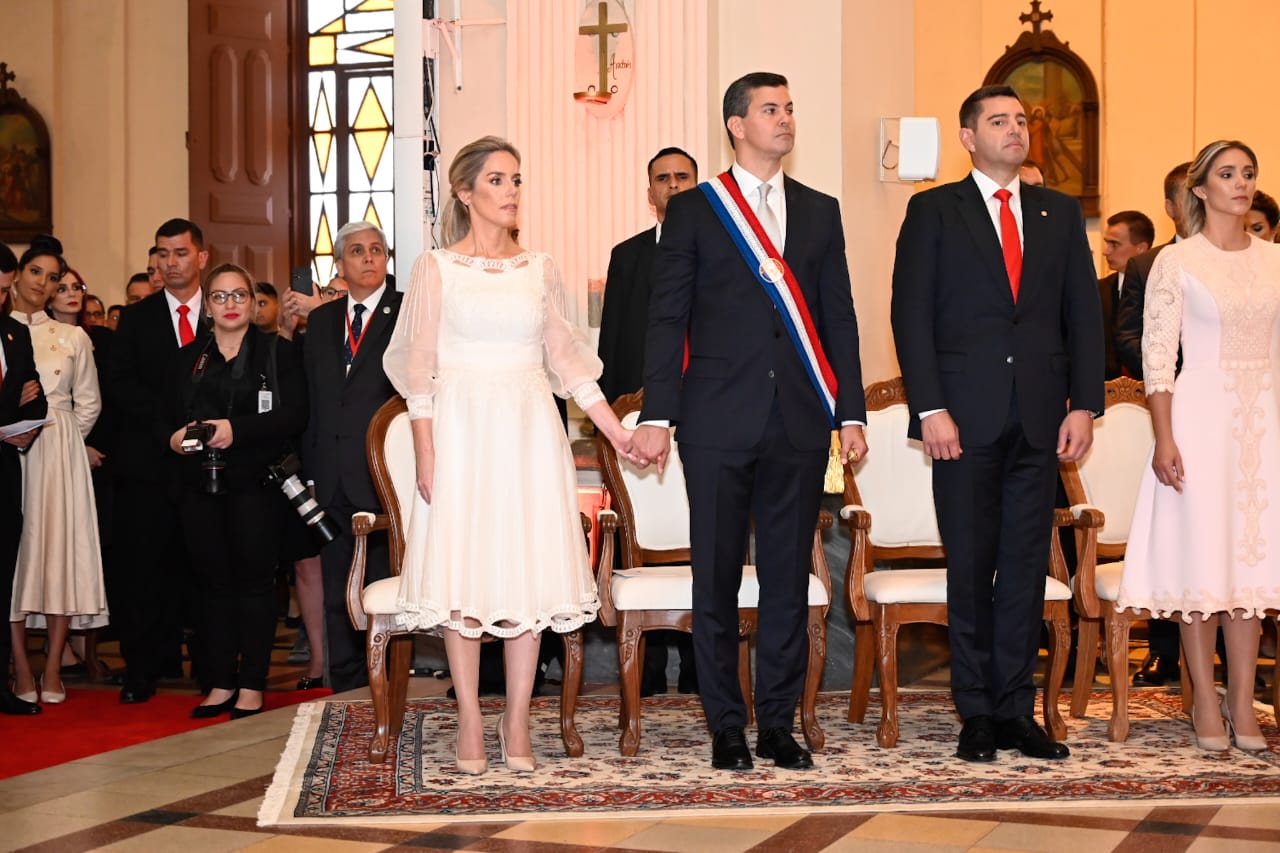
x=773 y=273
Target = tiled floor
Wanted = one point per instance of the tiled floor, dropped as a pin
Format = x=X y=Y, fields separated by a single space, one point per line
x=200 y=792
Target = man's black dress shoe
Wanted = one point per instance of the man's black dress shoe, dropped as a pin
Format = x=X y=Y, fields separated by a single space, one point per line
x=652 y=684
x=10 y=704
x=205 y=712
x=688 y=683
x=1156 y=671
x=137 y=692
x=729 y=750
x=1025 y=735
x=977 y=739
x=779 y=745
x=309 y=683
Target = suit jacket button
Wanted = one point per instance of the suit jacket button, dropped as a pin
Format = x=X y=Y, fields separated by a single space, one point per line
x=770 y=374
x=1008 y=360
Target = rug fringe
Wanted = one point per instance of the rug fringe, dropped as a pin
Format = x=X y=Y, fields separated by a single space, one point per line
x=277 y=798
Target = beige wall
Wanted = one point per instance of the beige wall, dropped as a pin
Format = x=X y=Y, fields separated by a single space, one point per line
x=110 y=79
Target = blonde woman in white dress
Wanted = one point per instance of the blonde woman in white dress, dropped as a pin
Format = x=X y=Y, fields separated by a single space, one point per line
x=59 y=572
x=481 y=344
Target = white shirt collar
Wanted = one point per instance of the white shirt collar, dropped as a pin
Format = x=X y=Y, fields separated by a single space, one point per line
x=193 y=303
x=987 y=186
x=750 y=184
x=658 y=233
x=369 y=303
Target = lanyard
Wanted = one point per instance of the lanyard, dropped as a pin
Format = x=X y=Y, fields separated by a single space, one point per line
x=352 y=339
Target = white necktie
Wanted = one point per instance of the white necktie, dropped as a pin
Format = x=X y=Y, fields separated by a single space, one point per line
x=768 y=221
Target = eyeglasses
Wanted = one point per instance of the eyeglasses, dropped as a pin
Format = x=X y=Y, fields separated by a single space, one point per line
x=220 y=297
x=332 y=292
x=81 y=286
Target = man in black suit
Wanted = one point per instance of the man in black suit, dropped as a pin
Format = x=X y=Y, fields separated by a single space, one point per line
x=1128 y=233
x=147 y=592
x=1163 y=637
x=753 y=425
x=997 y=324
x=21 y=399
x=342 y=356
x=624 y=322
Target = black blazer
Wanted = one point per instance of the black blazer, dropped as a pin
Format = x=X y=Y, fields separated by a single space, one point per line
x=964 y=345
x=342 y=403
x=624 y=319
x=1108 y=297
x=143 y=346
x=1129 y=311
x=740 y=357
x=20 y=368
x=258 y=440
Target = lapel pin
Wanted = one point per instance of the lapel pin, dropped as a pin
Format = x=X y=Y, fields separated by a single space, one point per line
x=1044 y=213
x=10 y=337
x=386 y=309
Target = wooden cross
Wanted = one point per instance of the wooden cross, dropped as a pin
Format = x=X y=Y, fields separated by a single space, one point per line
x=1035 y=17
x=5 y=76
x=603 y=29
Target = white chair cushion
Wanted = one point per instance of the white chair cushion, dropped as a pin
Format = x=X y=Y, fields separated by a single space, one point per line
x=379 y=597
x=896 y=483
x=401 y=463
x=671 y=588
x=1106 y=580
x=659 y=502
x=1113 y=468
x=929 y=586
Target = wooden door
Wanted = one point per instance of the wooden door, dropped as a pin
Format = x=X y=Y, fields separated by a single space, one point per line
x=239 y=139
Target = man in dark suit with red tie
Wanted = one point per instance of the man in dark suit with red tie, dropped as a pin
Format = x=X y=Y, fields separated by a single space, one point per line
x=21 y=399
x=997 y=325
x=767 y=381
x=342 y=356
x=147 y=591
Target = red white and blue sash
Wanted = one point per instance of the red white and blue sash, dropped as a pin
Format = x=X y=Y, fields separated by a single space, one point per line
x=779 y=282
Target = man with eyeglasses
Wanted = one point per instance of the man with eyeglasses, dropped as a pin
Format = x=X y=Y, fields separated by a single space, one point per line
x=149 y=579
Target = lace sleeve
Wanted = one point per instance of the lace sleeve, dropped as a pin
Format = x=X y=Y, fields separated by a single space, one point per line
x=410 y=357
x=1161 y=323
x=572 y=365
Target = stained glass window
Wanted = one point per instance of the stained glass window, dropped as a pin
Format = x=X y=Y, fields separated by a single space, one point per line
x=348 y=72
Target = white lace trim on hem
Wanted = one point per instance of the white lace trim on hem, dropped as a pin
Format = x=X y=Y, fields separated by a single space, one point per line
x=561 y=619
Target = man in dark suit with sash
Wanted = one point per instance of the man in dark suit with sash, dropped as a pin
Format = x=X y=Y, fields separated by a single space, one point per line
x=751 y=271
x=997 y=324
x=342 y=356
x=146 y=592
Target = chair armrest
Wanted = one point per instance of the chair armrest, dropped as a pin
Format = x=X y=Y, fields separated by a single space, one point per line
x=362 y=524
x=607 y=524
x=819 y=556
x=1086 y=515
x=856 y=517
x=1087 y=520
x=859 y=522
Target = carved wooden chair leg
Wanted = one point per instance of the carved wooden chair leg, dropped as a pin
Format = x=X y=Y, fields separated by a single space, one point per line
x=1086 y=664
x=887 y=633
x=401 y=648
x=1117 y=625
x=629 y=635
x=1059 y=651
x=813 y=734
x=569 y=688
x=744 y=677
x=376 y=659
x=864 y=664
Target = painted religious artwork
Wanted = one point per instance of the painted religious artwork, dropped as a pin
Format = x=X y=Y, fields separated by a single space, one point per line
x=604 y=58
x=26 y=189
x=1061 y=99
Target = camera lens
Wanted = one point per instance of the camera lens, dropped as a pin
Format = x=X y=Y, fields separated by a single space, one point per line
x=214 y=467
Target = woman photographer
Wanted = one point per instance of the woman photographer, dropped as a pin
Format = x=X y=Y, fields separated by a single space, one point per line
x=237 y=399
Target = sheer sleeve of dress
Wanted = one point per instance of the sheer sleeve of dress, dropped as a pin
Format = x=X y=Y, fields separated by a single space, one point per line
x=410 y=357
x=572 y=364
x=1161 y=323
x=85 y=394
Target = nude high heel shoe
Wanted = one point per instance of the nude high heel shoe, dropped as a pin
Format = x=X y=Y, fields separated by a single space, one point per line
x=469 y=766
x=1252 y=743
x=52 y=697
x=518 y=763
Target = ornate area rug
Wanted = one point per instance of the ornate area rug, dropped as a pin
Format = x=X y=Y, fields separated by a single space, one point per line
x=324 y=775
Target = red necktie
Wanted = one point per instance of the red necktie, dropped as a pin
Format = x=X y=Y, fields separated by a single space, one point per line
x=1009 y=242
x=185 y=334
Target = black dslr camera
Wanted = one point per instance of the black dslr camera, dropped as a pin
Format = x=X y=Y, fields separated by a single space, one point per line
x=214 y=464
x=284 y=473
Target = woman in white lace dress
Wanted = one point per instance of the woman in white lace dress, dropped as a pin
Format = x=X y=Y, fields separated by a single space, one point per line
x=481 y=344
x=1204 y=542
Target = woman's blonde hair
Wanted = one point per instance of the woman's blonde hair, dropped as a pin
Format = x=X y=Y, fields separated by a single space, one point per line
x=1192 y=205
x=233 y=269
x=455 y=219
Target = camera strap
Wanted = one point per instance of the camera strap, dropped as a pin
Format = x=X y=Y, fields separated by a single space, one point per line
x=238 y=366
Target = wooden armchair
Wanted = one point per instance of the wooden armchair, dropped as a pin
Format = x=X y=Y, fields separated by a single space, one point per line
x=890 y=513
x=651 y=587
x=389 y=446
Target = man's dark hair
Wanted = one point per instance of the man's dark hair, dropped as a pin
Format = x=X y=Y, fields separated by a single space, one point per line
x=1031 y=164
x=737 y=98
x=138 y=278
x=178 y=227
x=111 y=308
x=1141 y=229
x=1175 y=181
x=8 y=260
x=1266 y=205
x=669 y=150
x=972 y=106
x=266 y=288
x=153 y=251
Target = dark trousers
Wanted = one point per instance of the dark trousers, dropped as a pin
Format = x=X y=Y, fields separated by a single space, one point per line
x=10 y=536
x=781 y=488
x=346 y=658
x=995 y=513
x=1164 y=641
x=146 y=590
x=234 y=541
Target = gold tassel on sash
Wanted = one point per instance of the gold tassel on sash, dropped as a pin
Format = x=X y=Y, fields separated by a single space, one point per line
x=833 y=480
